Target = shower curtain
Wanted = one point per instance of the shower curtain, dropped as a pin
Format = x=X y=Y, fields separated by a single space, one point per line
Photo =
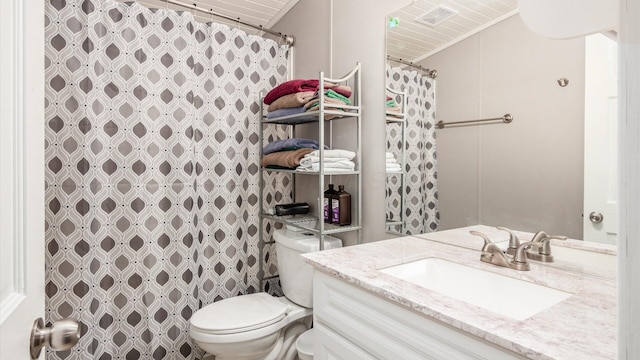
x=152 y=175
x=421 y=205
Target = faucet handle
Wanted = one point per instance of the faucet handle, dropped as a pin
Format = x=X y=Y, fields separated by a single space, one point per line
x=545 y=240
x=519 y=261
x=556 y=237
x=539 y=237
x=491 y=253
x=514 y=242
x=488 y=245
x=545 y=249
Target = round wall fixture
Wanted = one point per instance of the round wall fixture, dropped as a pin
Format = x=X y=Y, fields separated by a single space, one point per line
x=563 y=82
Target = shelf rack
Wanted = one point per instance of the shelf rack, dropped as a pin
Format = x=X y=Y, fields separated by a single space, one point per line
x=339 y=113
x=395 y=118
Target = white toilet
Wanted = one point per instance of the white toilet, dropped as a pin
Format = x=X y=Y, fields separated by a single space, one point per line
x=260 y=326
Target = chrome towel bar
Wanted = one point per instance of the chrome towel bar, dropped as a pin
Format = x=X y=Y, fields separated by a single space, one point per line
x=506 y=118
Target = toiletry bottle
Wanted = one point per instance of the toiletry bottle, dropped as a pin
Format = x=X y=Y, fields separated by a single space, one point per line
x=341 y=207
x=329 y=194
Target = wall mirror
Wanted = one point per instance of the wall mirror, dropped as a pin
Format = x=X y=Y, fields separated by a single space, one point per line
x=542 y=171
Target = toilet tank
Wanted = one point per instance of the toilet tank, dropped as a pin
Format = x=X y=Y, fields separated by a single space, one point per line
x=296 y=276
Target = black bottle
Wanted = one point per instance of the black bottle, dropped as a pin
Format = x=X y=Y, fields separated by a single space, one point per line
x=329 y=195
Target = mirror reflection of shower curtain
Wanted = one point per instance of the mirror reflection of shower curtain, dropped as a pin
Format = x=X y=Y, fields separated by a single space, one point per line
x=421 y=213
x=152 y=174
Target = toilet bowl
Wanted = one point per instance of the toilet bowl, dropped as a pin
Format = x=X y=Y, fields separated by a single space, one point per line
x=304 y=345
x=254 y=326
x=260 y=326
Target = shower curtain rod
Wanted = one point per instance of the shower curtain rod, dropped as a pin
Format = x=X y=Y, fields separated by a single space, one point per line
x=288 y=39
x=431 y=73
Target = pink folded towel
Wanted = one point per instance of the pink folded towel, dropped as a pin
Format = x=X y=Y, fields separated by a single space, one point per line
x=300 y=85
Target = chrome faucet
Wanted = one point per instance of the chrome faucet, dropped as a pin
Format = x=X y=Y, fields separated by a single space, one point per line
x=544 y=249
x=492 y=254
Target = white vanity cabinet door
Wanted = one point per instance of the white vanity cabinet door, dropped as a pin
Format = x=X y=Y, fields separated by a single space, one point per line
x=330 y=346
x=385 y=330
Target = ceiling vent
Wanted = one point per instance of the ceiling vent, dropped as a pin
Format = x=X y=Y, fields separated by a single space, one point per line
x=436 y=16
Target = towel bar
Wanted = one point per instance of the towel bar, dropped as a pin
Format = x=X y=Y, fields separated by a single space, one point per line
x=506 y=118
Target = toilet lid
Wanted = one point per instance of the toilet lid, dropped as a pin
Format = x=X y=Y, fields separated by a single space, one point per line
x=239 y=314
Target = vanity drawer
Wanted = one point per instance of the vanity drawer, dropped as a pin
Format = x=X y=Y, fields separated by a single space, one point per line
x=388 y=331
x=328 y=345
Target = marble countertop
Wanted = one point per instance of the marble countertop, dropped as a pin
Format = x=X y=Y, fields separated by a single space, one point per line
x=582 y=327
x=461 y=237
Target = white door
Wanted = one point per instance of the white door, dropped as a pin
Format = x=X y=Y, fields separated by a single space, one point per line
x=601 y=142
x=21 y=174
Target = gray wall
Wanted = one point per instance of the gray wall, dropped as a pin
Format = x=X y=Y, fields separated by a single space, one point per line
x=311 y=54
x=310 y=22
x=527 y=175
x=350 y=31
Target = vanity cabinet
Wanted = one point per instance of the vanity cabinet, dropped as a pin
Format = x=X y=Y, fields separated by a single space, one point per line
x=352 y=323
x=332 y=345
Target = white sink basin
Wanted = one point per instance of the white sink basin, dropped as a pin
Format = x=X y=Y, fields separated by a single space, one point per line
x=510 y=297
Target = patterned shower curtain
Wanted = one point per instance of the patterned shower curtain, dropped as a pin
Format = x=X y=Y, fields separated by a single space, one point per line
x=421 y=205
x=152 y=175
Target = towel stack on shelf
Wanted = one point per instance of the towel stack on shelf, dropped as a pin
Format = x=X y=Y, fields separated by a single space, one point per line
x=393 y=108
x=392 y=164
x=298 y=96
x=335 y=161
x=290 y=144
x=285 y=159
x=287 y=153
x=392 y=105
x=330 y=97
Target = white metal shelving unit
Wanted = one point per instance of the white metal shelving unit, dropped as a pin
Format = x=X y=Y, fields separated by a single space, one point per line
x=398 y=119
x=311 y=118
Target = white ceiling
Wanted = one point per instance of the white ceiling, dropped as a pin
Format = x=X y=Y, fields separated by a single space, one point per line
x=413 y=41
x=256 y=12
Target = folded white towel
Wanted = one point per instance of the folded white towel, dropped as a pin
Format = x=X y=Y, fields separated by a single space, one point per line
x=394 y=171
x=326 y=171
x=394 y=167
x=390 y=155
x=315 y=159
x=392 y=161
x=336 y=166
x=335 y=153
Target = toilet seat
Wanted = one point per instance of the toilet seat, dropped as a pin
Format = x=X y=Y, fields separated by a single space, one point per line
x=279 y=312
x=239 y=314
